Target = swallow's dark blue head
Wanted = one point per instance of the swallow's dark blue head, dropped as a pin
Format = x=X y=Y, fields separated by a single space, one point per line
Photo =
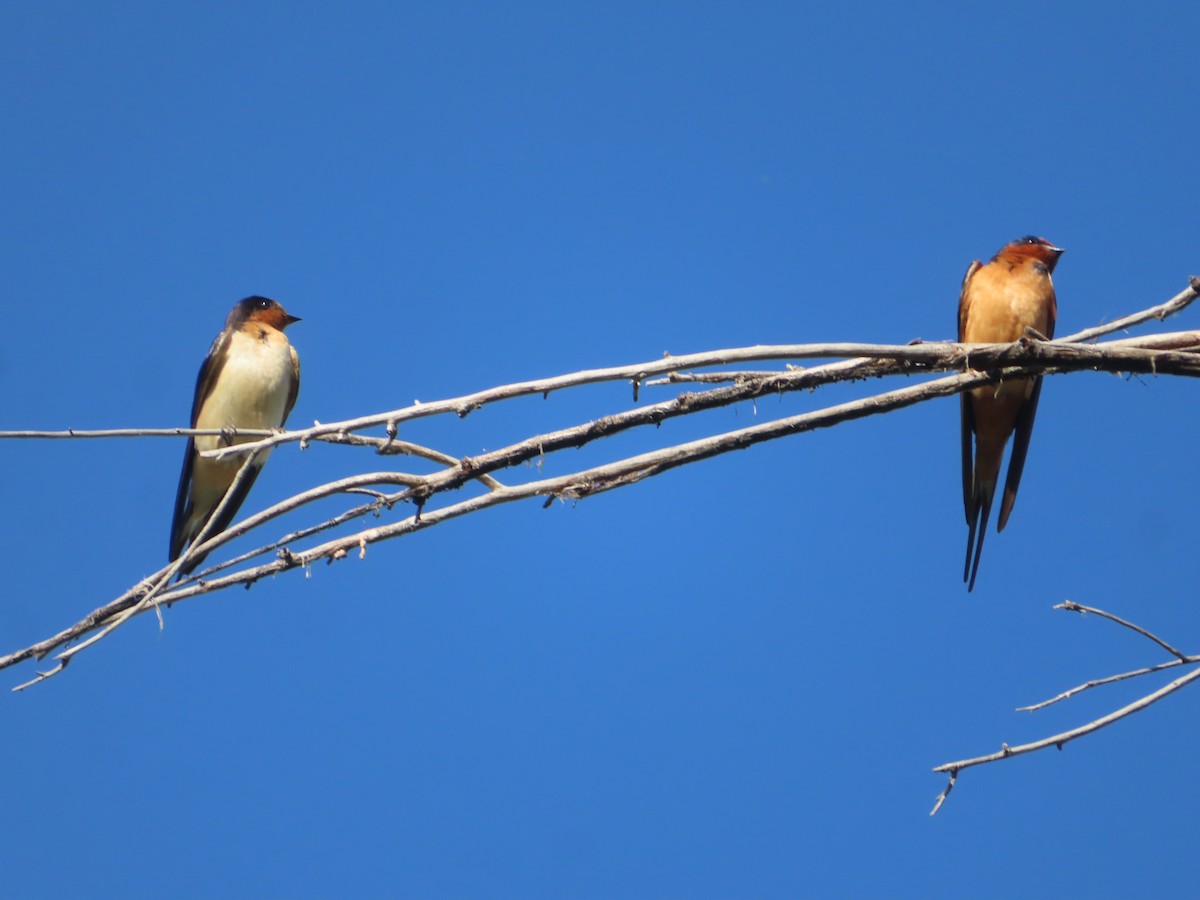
x=259 y=309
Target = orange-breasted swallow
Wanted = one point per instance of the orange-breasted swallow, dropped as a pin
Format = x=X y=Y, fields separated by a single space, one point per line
x=249 y=379
x=999 y=301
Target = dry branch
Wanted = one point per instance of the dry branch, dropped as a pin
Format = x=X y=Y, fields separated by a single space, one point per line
x=1062 y=739
x=988 y=362
x=1163 y=354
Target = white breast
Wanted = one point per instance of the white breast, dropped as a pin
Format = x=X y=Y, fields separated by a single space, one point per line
x=252 y=388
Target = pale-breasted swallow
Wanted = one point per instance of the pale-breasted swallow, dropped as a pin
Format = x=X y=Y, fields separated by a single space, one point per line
x=249 y=379
x=999 y=301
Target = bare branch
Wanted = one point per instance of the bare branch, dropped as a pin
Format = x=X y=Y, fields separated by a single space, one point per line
x=573 y=486
x=1111 y=679
x=1161 y=354
x=390 y=446
x=1181 y=658
x=1072 y=606
x=1176 y=304
x=156 y=588
x=972 y=364
x=922 y=354
x=135 y=433
x=1060 y=740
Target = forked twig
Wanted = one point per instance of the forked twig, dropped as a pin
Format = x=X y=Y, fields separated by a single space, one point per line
x=1061 y=739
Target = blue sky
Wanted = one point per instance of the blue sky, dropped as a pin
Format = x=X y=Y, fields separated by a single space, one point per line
x=729 y=681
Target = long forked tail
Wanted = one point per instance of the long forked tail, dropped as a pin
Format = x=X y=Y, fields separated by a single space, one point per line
x=981 y=510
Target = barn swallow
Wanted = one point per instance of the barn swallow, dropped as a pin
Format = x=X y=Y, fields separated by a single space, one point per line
x=999 y=301
x=249 y=379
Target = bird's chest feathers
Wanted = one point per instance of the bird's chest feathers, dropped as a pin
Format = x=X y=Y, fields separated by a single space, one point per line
x=252 y=388
x=1015 y=301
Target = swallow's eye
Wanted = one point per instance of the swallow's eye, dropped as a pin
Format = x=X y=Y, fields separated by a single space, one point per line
x=263 y=303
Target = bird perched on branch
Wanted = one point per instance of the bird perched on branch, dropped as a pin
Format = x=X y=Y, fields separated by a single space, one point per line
x=249 y=379
x=999 y=301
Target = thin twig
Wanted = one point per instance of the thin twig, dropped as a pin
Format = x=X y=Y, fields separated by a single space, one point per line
x=1176 y=304
x=1060 y=740
x=296 y=501
x=156 y=587
x=941 y=798
x=79 y=433
x=390 y=446
x=1072 y=606
x=1111 y=679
